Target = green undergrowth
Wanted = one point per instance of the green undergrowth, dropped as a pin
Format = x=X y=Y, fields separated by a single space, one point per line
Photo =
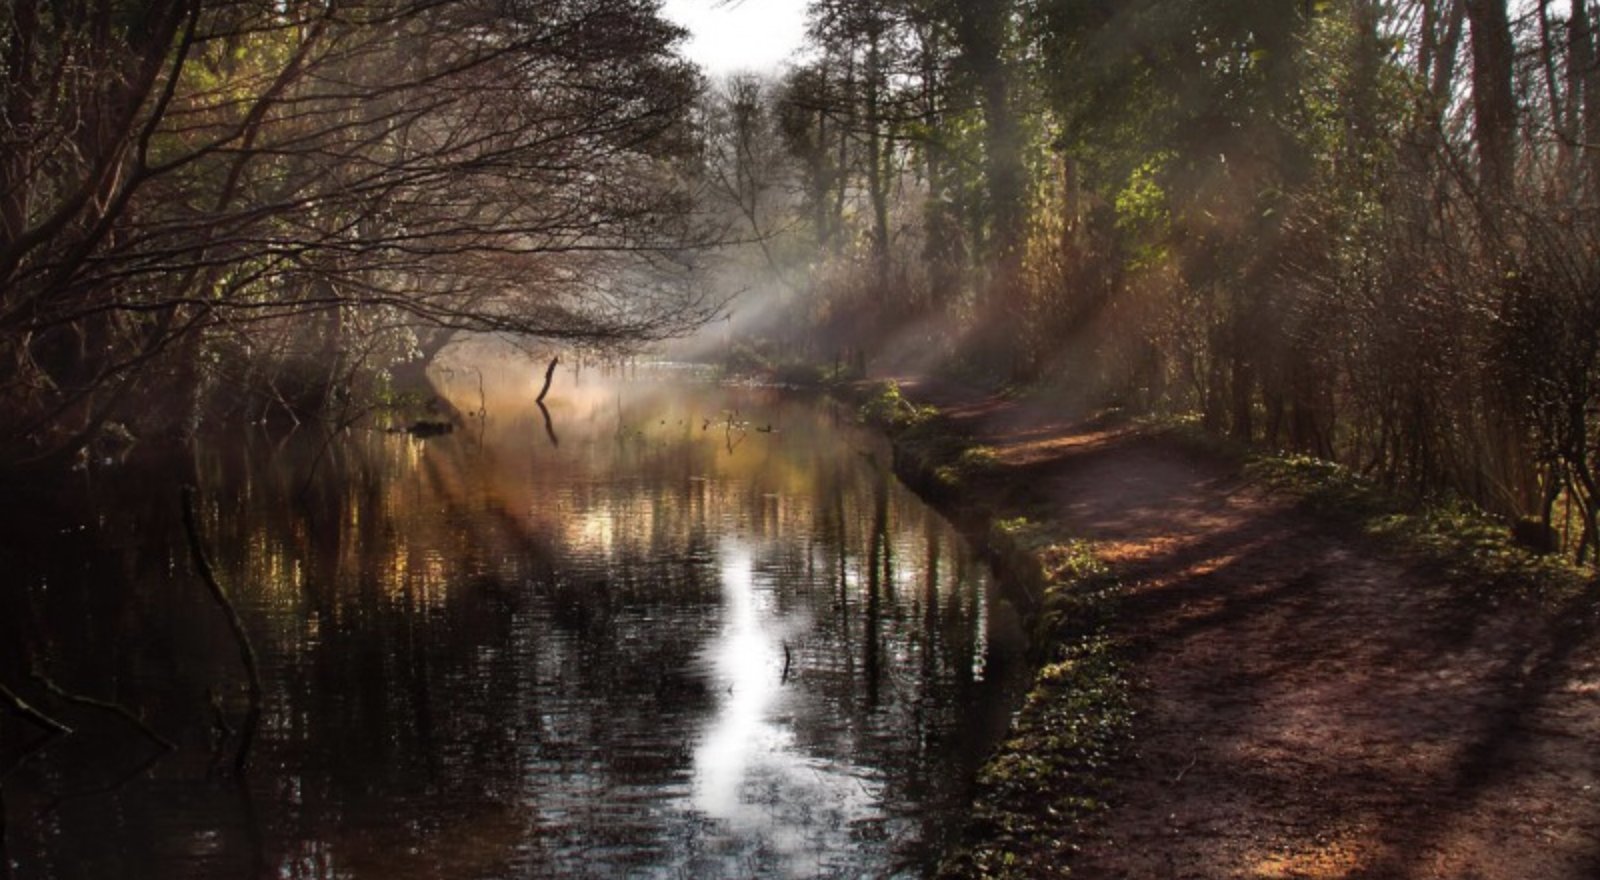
x=1470 y=545
x=974 y=462
x=1051 y=773
x=887 y=407
x=928 y=454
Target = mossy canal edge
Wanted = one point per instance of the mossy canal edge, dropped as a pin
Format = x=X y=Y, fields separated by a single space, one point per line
x=1048 y=776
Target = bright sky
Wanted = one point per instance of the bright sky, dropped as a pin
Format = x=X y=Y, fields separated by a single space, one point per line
x=734 y=35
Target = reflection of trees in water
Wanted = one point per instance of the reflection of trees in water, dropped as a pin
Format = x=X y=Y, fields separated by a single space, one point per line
x=912 y=621
x=467 y=660
x=502 y=644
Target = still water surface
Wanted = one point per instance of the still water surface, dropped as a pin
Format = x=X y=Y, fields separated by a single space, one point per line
x=652 y=638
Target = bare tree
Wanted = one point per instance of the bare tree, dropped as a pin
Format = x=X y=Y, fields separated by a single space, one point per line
x=218 y=167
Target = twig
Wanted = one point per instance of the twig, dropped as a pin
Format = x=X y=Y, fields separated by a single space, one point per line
x=114 y=708
x=21 y=707
x=1194 y=758
x=247 y=653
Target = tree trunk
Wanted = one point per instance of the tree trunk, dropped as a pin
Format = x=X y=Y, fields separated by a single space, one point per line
x=1583 y=93
x=1494 y=111
x=981 y=31
x=1444 y=62
x=841 y=177
x=877 y=179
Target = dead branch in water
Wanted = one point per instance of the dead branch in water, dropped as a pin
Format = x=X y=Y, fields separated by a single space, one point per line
x=26 y=710
x=247 y=653
x=549 y=374
x=116 y=709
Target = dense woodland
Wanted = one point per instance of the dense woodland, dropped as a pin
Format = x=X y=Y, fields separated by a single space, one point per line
x=1357 y=230
x=1363 y=231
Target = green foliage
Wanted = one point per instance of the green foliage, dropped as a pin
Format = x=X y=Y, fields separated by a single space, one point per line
x=386 y=396
x=1142 y=212
x=1476 y=548
x=887 y=407
x=973 y=462
x=1266 y=212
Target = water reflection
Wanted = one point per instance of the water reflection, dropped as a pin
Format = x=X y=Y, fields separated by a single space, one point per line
x=779 y=802
x=743 y=655
x=643 y=651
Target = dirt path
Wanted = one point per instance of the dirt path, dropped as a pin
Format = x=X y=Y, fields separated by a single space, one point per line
x=1306 y=706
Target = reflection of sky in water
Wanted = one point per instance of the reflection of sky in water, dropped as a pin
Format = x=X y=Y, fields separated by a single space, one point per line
x=741 y=738
x=791 y=808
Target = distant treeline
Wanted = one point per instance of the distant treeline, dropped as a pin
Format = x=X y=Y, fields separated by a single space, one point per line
x=1367 y=231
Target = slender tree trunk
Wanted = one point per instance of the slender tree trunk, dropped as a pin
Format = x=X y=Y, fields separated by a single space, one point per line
x=1427 y=38
x=1494 y=110
x=877 y=179
x=822 y=187
x=842 y=178
x=1442 y=78
x=1242 y=383
x=1553 y=85
x=941 y=240
x=982 y=29
x=1583 y=93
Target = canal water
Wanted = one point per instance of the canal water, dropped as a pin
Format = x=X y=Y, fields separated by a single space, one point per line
x=662 y=627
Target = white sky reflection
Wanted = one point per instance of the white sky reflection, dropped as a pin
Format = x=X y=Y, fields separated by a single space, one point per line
x=742 y=660
x=748 y=772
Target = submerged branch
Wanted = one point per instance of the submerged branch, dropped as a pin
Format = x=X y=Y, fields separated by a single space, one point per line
x=247 y=654
x=27 y=711
x=117 y=709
